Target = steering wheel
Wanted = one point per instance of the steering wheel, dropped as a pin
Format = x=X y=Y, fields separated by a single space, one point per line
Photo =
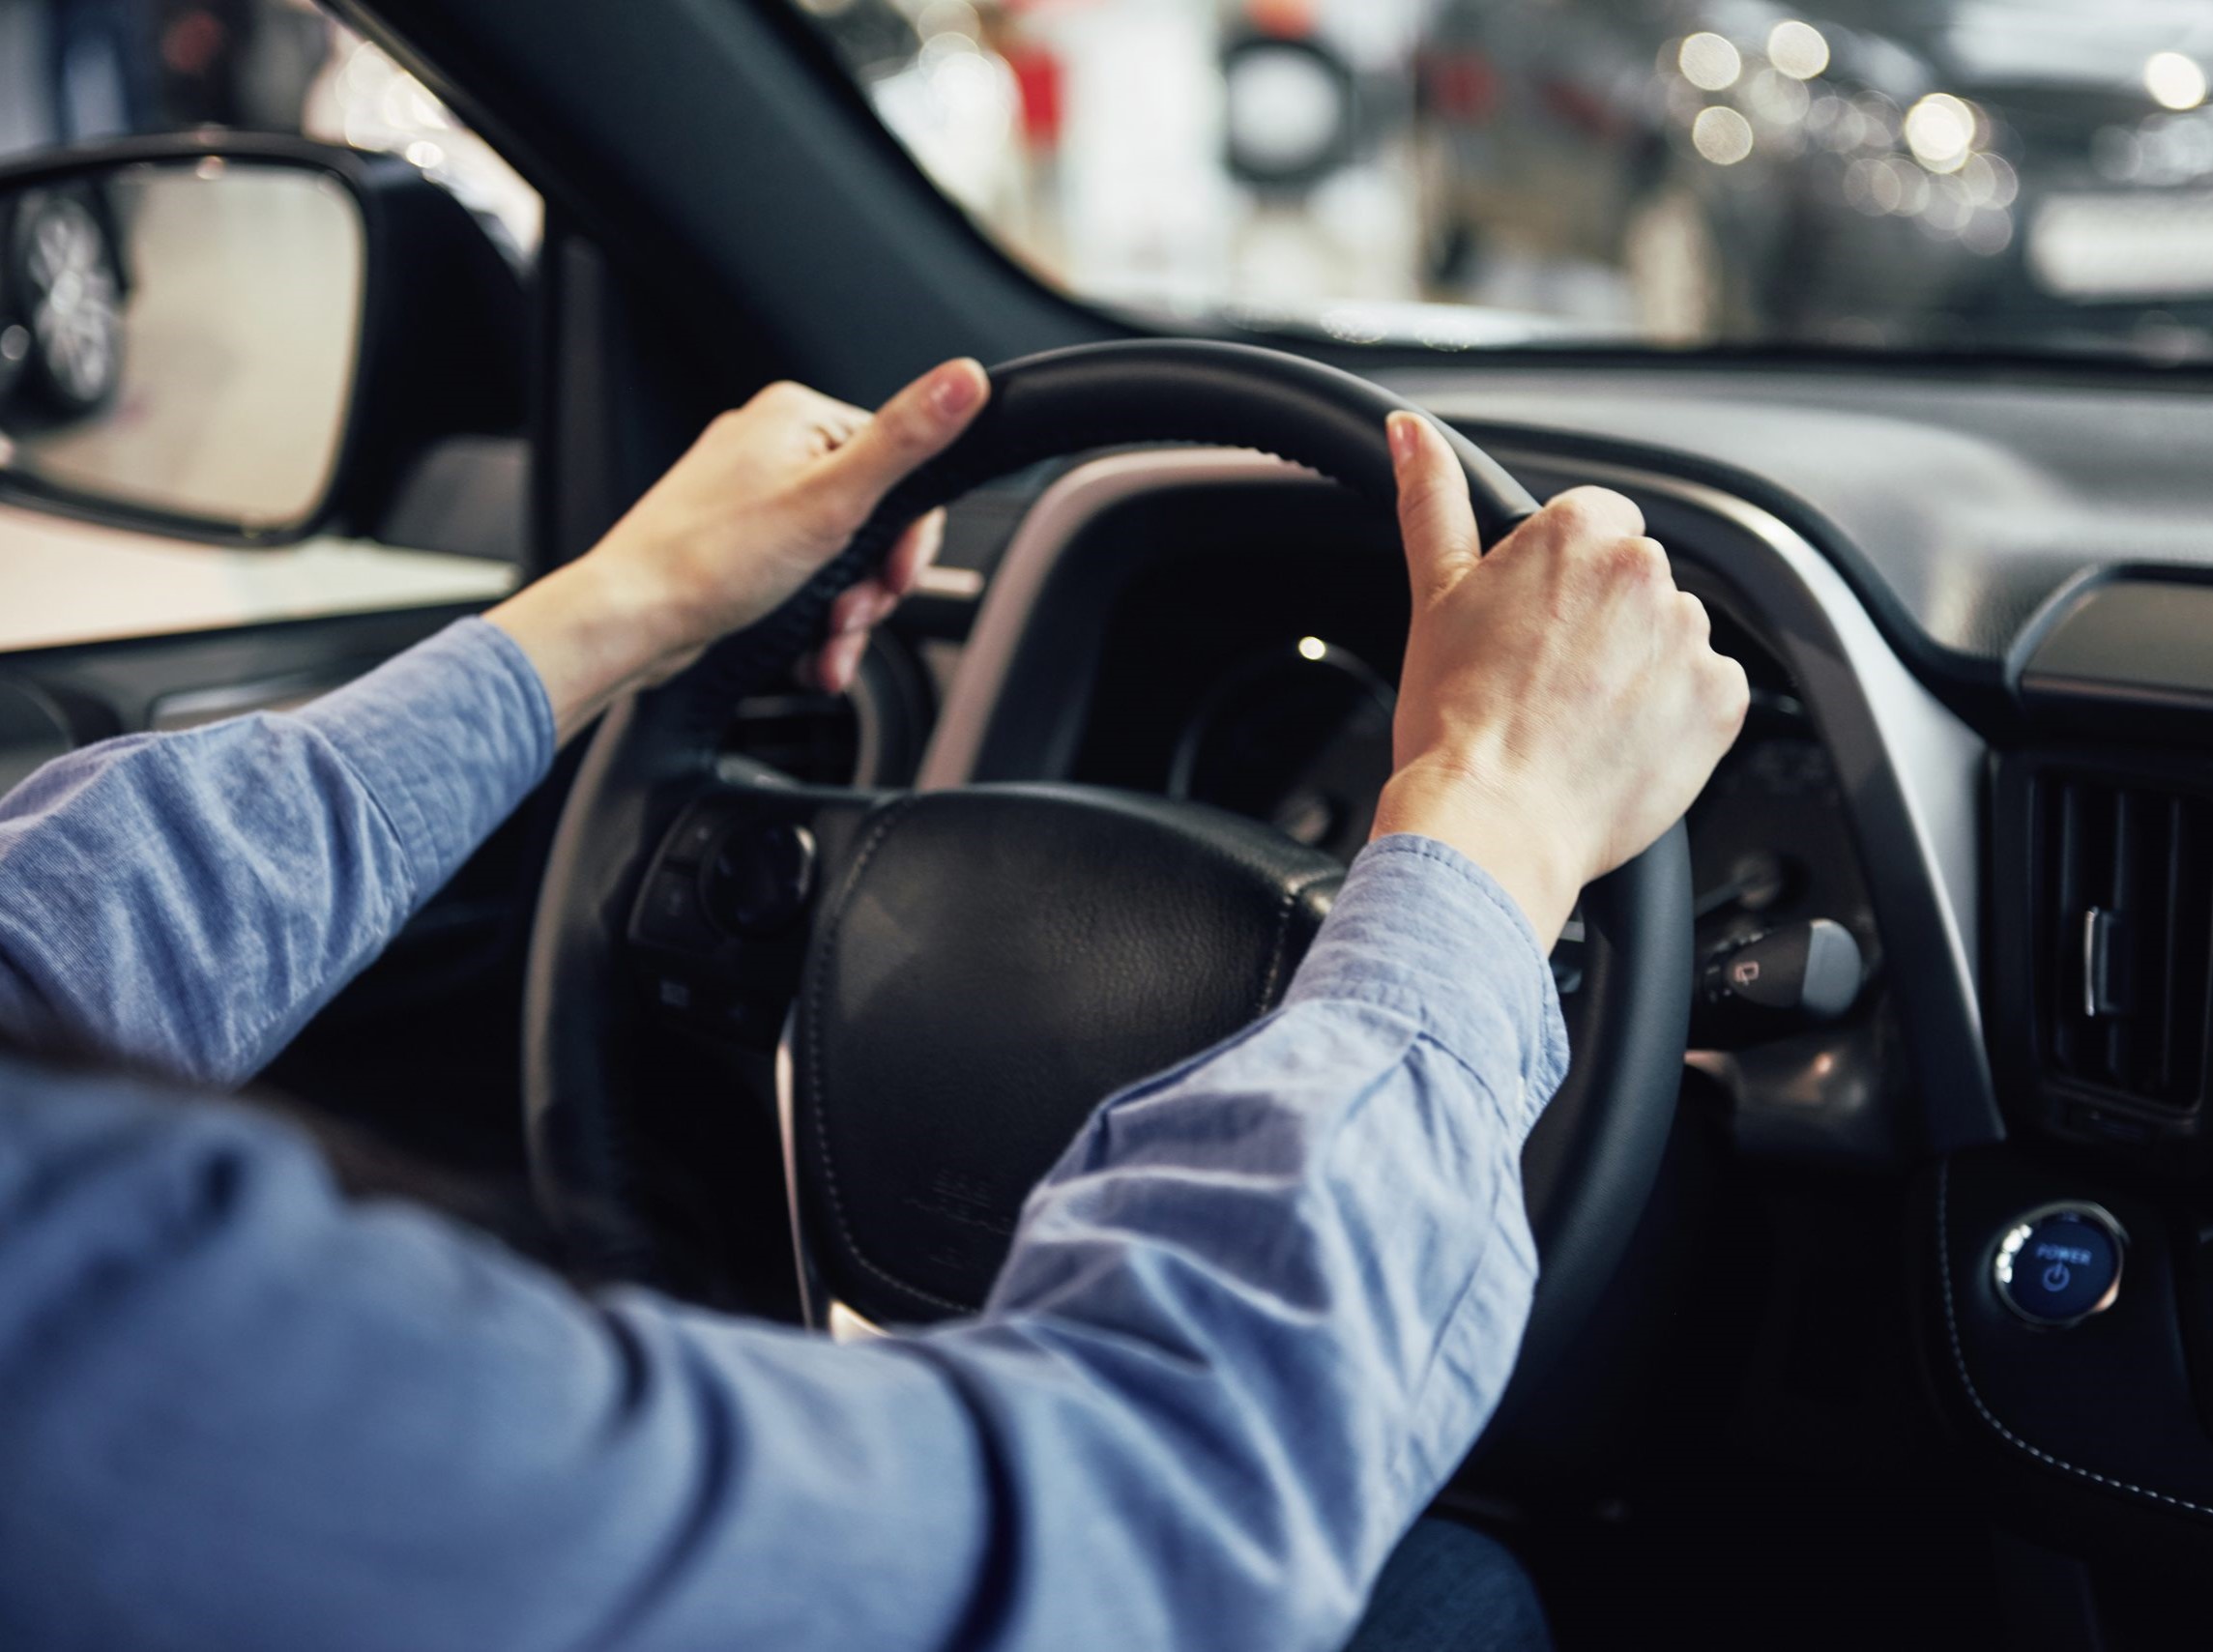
x=952 y=979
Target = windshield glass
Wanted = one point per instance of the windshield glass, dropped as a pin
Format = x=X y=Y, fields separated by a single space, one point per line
x=1972 y=175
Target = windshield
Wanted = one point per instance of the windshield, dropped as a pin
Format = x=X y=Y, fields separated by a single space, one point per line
x=1947 y=175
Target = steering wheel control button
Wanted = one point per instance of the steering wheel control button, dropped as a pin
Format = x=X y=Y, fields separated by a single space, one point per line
x=693 y=837
x=2060 y=1264
x=761 y=876
x=671 y=915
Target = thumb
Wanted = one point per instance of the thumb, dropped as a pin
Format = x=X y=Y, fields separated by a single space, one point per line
x=914 y=425
x=1436 y=519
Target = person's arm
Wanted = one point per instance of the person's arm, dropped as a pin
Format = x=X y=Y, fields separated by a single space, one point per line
x=1247 y=1327
x=187 y=901
x=1249 y=1322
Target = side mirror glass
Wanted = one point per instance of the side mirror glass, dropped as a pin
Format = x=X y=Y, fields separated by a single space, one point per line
x=180 y=339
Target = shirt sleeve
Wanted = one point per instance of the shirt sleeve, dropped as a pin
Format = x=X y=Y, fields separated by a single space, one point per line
x=1251 y=1321
x=186 y=901
x=1272 y=1299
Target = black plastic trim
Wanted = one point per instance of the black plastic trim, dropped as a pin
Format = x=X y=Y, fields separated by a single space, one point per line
x=2050 y=666
x=2012 y=1438
x=2168 y=1139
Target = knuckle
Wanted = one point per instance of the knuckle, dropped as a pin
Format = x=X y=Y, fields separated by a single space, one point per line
x=1571 y=515
x=1636 y=563
x=1620 y=509
x=1730 y=689
x=1598 y=511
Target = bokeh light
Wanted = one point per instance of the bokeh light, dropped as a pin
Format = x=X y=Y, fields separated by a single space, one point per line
x=1949 y=210
x=1722 y=135
x=1990 y=181
x=1798 y=49
x=1777 y=98
x=1939 y=131
x=1709 y=62
x=2173 y=80
x=1988 y=232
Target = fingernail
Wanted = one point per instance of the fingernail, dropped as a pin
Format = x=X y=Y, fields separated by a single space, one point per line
x=1401 y=428
x=954 y=387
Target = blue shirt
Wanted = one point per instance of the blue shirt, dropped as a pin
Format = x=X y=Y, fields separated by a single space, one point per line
x=1249 y=1326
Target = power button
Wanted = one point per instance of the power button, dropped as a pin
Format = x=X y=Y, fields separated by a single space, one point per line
x=2059 y=1264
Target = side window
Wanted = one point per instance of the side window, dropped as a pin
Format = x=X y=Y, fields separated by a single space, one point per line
x=211 y=416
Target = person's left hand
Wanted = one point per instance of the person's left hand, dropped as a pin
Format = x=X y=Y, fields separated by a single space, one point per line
x=765 y=496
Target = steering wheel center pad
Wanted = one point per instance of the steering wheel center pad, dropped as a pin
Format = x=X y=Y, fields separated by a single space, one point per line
x=995 y=961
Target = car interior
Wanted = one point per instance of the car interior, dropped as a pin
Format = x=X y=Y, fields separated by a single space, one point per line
x=1877 y=1213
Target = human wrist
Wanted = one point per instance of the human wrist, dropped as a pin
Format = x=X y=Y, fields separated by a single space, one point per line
x=592 y=630
x=1522 y=846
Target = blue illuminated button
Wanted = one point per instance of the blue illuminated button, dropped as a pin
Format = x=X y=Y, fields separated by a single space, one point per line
x=2060 y=1264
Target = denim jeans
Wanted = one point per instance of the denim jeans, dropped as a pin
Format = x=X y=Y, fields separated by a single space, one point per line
x=1449 y=1588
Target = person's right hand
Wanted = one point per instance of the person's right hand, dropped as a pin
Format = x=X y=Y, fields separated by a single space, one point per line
x=1560 y=706
x=765 y=495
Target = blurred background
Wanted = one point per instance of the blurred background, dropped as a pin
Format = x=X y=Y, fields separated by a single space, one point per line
x=1986 y=175
x=77 y=71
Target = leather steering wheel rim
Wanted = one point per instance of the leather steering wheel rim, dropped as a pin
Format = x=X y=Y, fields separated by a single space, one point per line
x=1591 y=1160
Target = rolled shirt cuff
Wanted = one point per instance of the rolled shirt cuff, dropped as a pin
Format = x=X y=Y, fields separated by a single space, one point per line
x=447 y=738
x=1422 y=930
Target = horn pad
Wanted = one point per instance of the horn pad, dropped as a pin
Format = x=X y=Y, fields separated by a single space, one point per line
x=992 y=963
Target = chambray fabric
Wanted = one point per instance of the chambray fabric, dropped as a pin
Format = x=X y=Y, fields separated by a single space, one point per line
x=1249 y=1324
x=187 y=901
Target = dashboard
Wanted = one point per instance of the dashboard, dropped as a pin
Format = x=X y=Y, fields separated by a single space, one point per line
x=1262 y=679
x=1256 y=672
x=1219 y=626
x=1976 y=646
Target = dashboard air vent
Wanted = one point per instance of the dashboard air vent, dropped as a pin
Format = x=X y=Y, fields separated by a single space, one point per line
x=2123 y=881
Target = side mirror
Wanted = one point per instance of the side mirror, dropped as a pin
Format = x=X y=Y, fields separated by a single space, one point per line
x=243 y=339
